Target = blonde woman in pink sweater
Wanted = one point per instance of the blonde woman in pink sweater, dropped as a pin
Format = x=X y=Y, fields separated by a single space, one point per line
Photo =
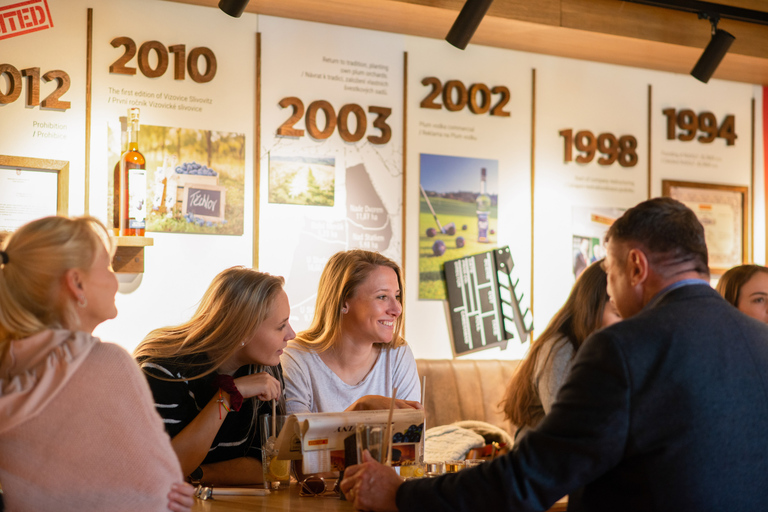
x=78 y=428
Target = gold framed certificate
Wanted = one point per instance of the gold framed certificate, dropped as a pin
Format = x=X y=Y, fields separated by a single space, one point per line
x=722 y=210
x=31 y=188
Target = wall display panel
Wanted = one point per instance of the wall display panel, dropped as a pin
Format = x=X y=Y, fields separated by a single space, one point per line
x=590 y=165
x=331 y=150
x=703 y=133
x=193 y=80
x=42 y=89
x=468 y=190
x=759 y=183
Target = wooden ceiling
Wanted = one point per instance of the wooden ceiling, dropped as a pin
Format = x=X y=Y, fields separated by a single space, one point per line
x=612 y=31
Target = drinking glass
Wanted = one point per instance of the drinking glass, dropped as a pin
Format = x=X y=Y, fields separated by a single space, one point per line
x=277 y=473
x=454 y=466
x=370 y=436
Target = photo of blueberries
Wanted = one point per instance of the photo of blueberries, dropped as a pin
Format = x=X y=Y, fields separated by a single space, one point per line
x=180 y=158
x=411 y=435
x=196 y=169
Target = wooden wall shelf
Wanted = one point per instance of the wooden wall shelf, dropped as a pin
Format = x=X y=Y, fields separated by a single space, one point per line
x=129 y=253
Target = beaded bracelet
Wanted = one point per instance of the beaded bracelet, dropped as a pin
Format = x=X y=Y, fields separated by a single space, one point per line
x=222 y=402
x=227 y=383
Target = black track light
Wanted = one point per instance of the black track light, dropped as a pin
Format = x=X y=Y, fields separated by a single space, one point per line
x=233 y=7
x=467 y=22
x=713 y=53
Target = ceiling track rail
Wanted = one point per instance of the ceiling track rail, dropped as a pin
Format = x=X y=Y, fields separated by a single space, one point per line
x=711 y=9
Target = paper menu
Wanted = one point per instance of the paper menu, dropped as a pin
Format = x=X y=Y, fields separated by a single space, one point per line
x=318 y=438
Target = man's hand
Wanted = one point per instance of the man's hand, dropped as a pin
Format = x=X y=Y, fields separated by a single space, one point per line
x=371 y=485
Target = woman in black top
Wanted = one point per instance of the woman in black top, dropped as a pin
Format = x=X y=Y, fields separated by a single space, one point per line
x=215 y=374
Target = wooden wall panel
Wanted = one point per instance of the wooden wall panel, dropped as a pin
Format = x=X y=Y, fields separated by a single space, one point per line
x=608 y=31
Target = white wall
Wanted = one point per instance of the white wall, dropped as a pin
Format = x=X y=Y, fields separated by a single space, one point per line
x=179 y=267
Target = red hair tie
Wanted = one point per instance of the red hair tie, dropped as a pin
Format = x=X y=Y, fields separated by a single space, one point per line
x=227 y=383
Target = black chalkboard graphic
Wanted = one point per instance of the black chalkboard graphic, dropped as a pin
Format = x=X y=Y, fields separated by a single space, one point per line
x=204 y=201
x=486 y=302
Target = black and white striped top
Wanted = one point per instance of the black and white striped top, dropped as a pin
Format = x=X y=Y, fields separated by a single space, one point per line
x=179 y=402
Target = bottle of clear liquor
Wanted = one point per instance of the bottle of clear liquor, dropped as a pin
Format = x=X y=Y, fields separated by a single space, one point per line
x=483 y=210
x=131 y=184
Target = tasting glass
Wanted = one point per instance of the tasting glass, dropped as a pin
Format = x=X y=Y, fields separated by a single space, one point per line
x=277 y=473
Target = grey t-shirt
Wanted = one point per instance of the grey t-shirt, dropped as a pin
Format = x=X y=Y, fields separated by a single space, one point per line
x=552 y=367
x=310 y=386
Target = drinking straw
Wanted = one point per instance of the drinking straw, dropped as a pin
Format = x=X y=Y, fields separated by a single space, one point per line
x=424 y=429
x=274 y=418
x=388 y=435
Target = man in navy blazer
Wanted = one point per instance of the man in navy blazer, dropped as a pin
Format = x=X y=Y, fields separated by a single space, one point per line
x=666 y=410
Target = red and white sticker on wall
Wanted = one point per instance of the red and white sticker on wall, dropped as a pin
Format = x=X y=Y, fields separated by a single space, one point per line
x=24 y=17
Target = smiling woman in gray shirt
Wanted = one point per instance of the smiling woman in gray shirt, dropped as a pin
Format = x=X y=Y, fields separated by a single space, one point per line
x=353 y=354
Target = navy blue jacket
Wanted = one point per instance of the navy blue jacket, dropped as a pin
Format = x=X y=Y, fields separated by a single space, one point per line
x=667 y=410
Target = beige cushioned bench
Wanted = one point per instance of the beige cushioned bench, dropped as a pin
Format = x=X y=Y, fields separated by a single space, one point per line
x=462 y=389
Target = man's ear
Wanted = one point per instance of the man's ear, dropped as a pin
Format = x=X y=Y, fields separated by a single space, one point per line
x=638 y=266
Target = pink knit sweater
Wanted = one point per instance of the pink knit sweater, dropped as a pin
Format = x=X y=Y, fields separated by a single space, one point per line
x=78 y=429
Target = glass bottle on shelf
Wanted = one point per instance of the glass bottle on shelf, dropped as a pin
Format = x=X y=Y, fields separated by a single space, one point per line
x=131 y=184
x=483 y=210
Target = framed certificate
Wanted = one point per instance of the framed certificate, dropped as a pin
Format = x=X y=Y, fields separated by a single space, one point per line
x=722 y=210
x=31 y=188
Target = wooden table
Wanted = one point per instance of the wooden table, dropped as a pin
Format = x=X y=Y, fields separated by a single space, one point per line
x=289 y=499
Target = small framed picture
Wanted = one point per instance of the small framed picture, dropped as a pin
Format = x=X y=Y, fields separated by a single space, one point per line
x=722 y=210
x=31 y=188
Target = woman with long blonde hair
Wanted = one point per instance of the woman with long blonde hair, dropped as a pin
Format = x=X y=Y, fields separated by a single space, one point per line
x=353 y=353
x=536 y=381
x=78 y=428
x=214 y=374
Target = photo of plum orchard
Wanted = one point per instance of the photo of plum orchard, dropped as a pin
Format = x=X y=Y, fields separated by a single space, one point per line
x=457 y=215
x=195 y=178
x=302 y=180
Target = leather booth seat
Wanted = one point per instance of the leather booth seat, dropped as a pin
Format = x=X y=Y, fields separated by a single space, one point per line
x=461 y=389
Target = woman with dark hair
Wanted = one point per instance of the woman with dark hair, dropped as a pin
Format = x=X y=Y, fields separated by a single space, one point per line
x=79 y=430
x=353 y=353
x=746 y=287
x=536 y=381
x=213 y=375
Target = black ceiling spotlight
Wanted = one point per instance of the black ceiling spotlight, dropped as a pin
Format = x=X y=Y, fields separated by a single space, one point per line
x=714 y=52
x=234 y=8
x=467 y=22
x=721 y=40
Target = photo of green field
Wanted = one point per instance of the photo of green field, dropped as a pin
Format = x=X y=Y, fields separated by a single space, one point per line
x=450 y=229
x=179 y=156
x=302 y=180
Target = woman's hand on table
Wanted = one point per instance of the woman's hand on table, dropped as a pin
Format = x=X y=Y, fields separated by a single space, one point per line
x=371 y=485
x=378 y=402
x=261 y=385
x=180 y=499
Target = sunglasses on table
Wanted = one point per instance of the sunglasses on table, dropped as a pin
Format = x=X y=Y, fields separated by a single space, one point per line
x=317 y=486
